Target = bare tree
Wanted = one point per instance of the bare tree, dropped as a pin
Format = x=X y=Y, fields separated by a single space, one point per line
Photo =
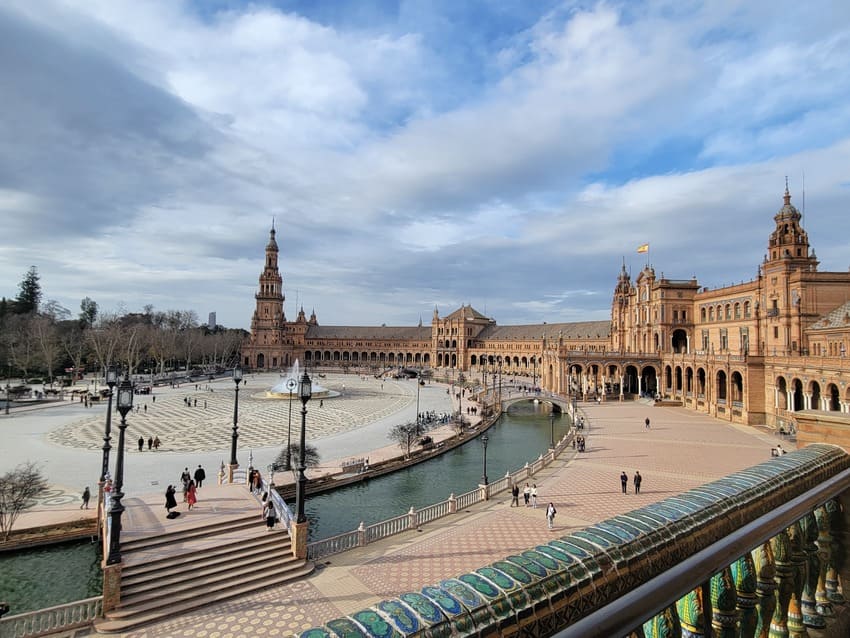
x=104 y=340
x=405 y=435
x=18 y=489
x=46 y=337
x=73 y=341
x=20 y=343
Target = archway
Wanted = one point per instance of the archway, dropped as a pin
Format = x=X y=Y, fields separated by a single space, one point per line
x=737 y=388
x=833 y=403
x=630 y=380
x=797 y=396
x=721 y=386
x=815 y=396
x=781 y=394
x=261 y=361
x=679 y=341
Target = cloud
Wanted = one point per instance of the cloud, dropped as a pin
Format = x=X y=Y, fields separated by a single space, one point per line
x=436 y=154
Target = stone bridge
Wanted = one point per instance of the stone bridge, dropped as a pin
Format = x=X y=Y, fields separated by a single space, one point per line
x=560 y=404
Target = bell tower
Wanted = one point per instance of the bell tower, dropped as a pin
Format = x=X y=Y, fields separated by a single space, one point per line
x=788 y=247
x=265 y=347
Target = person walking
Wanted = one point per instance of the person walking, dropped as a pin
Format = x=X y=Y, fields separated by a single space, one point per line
x=269 y=514
x=515 y=495
x=141 y=443
x=185 y=477
x=534 y=495
x=550 y=514
x=156 y=443
x=624 y=481
x=638 y=478
x=647 y=423
x=150 y=443
x=86 y=497
x=170 y=500
x=200 y=475
x=191 y=494
x=526 y=494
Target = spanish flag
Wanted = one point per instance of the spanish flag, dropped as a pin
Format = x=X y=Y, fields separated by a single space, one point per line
x=643 y=248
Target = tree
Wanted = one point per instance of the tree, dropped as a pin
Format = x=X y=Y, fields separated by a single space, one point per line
x=30 y=293
x=88 y=312
x=18 y=489
x=46 y=337
x=405 y=435
x=311 y=457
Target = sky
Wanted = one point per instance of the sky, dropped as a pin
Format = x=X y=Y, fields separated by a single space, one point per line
x=413 y=154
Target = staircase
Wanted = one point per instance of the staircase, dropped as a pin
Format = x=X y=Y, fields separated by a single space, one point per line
x=172 y=573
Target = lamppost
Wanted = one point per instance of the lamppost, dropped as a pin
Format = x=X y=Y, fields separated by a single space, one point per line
x=125 y=404
x=552 y=428
x=111 y=380
x=484 y=442
x=8 y=388
x=237 y=378
x=305 y=391
x=291 y=386
x=418 y=386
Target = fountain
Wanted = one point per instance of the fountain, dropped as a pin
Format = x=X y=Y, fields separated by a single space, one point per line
x=288 y=386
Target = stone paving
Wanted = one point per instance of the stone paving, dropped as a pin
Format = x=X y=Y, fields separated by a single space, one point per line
x=66 y=439
x=681 y=450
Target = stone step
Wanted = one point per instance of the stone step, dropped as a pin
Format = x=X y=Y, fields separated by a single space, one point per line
x=179 y=584
x=202 y=531
x=133 y=574
x=172 y=608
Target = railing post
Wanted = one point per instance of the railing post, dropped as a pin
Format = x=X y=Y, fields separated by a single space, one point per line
x=412 y=522
x=452 y=504
x=744 y=573
x=798 y=573
x=724 y=612
x=781 y=546
x=765 y=566
x=808 y=602
x=361 y=534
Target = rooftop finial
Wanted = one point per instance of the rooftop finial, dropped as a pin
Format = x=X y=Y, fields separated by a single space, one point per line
x=787 y=196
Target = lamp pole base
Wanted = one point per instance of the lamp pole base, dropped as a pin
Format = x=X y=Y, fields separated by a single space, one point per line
x=230 y=469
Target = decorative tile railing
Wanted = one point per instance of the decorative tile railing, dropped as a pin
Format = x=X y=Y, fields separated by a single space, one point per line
x=654 y=571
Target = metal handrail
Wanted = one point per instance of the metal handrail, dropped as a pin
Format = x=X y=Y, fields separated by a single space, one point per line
x=630 y=610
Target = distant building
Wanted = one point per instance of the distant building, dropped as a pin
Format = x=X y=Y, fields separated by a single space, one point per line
x=211 y=324
x=755 y=352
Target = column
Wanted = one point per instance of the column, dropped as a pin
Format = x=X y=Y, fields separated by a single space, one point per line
x=807 y=400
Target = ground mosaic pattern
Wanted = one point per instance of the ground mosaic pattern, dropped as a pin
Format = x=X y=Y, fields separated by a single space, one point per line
x=208 y=420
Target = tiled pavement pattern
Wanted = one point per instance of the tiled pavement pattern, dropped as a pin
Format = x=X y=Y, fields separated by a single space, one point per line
x=683 y=449
x=202 y=429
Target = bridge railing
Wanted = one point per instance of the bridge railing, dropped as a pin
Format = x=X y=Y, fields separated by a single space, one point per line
x=52 y=620
x=759 y=551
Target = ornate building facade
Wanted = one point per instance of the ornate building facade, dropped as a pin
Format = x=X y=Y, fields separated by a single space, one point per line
x=751 y=353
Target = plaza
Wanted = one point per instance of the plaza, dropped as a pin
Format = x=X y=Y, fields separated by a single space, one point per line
x=681 y=450
x=66 y=439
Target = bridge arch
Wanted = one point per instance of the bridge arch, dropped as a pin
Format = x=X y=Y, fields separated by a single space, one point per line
x=559 y=404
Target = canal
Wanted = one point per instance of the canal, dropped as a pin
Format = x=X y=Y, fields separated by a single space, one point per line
x=42 y=577
x=519 y=436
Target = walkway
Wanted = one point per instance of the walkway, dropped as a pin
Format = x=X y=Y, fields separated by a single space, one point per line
x=681 y=450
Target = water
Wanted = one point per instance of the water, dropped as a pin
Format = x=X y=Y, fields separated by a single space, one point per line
x=47 y=576
x=519 y=437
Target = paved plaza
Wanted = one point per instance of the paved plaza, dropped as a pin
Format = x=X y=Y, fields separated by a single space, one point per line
x=682 y=449
x=66 y=440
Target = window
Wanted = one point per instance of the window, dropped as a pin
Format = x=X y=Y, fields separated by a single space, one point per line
x=724 y=339
x=776 y=332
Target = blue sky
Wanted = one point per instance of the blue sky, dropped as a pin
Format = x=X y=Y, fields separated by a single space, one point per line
x=414 y=154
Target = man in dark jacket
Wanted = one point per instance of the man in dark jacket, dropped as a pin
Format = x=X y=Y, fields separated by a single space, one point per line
x=200 y=475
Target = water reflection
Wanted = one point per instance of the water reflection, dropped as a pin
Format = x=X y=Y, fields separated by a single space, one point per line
x=519 y=437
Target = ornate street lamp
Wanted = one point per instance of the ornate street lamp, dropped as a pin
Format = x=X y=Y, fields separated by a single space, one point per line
x=484 y=442
x=291 y=387
x=8 y=388
x=305 y=391
x=237 y=378
x=111 y=380
x=125 y=404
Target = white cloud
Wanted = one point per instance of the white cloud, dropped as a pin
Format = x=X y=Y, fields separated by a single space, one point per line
x=159 y=141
